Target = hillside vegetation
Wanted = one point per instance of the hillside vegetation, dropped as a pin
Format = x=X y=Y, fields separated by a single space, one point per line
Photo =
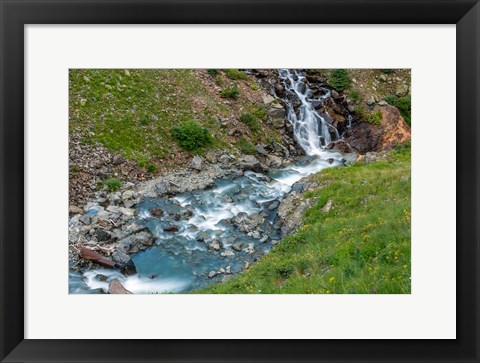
x=135 y=112
x=360 y=245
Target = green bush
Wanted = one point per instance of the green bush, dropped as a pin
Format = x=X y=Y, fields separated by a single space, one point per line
x=355 y=95
x=370 y=117
x=230 y=92
x=404 y=105
x=113 y=184
x=191 y=136
x=246 y=147
x=212 y=72
x=235 y=74
x=339 y=80
x=249 y=120
x=375 y=117
x=151 y=168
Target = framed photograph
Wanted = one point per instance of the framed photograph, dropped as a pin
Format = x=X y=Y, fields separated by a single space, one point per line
x=239 y=181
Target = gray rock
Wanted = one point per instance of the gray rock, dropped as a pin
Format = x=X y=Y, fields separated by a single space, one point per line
x=227 y=253
x=250 y=162
x=85 y=219
x=238 y=246
x=261 y=150
x=197 y=163
x=370 y=157
x=117 y=159
x=128 y=194
x=326 y=208
x=136 y=242
x=120 y=257
x=275 y=161
x=212 y=274
x=274 y=205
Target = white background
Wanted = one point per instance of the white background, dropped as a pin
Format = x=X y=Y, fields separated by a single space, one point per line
x=429 y=312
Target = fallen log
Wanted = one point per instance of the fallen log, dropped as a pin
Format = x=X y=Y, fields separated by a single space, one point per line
x=96 y=257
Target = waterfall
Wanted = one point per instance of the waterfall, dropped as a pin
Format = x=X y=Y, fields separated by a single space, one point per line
x=310 y=128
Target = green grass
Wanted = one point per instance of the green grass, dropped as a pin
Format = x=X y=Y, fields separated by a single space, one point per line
x=404 y=105
x=230 y=92
x=355 y=95
x=361 y=246
x=133 y=112
x=235 y=74
x=375 y=117
x=113 y=184
x=246 y=147
x=249 y=120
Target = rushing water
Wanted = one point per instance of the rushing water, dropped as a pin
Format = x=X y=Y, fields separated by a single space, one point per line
x=310 y=128
x=216 y=236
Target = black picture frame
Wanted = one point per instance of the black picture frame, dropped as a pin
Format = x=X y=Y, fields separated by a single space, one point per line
x=16 y=13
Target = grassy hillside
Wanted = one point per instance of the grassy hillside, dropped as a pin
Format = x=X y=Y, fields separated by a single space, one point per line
x=361 y=245
x=133 y=112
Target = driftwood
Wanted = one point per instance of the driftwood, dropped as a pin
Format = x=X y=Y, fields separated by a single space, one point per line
x=96 y=257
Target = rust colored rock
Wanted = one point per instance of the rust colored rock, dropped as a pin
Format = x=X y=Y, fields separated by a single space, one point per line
x=116 y=287
x=96 y=257
x=395 y=129
x=365 y=137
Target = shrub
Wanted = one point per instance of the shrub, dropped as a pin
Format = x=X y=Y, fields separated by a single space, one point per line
x=249 y=120
x=404 y=105
x=339 y=79
x=113 y=184
x=355 y=95
x=212 y=72
x=192 y=136
x=235 y=74
x=361 y=113
x=246 y=147
x=387 y=71
x=219 y=80
x=151 y=168
x=375 y=118
x=230 y=92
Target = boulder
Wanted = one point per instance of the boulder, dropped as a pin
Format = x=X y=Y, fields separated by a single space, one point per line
x=250 y=162
x=197 y=163
x=261 y=150
x=128 y=194
x=267 y=99
x=227 y=253
x=341 y=146
x=238 y=246
x=116 y=287
x=279 y=90
x=402 y=90
x=156 y=212
x=73 y=209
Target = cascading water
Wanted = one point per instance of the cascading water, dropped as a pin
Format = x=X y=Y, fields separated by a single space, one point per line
x=212 y=243
x=311 y=130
